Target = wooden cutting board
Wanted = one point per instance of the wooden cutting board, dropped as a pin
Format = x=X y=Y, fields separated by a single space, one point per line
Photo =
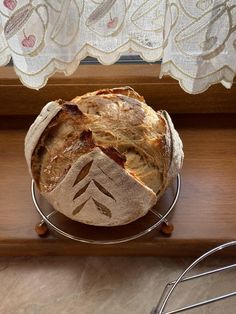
x=204 y=216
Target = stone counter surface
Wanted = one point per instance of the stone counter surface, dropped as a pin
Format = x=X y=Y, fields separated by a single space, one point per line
x=105 y=285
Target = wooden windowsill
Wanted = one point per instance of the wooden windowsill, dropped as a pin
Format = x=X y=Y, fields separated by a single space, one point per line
x=203 y=218
x=144 y=78
x=205 y=213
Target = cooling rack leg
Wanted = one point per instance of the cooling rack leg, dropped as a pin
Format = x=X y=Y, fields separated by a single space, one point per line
x=41 y=228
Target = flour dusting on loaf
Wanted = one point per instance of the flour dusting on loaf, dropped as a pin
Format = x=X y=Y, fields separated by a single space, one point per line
x=103 y=158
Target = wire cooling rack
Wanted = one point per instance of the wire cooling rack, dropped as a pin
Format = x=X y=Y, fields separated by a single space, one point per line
x=154 y=220
x=67 y=228
x=171 y=286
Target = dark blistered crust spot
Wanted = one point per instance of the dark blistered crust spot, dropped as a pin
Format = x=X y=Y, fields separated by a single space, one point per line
x=104 y=92
x=60 y=102
x=71 y=108
x=111 y=152
x=86 y=138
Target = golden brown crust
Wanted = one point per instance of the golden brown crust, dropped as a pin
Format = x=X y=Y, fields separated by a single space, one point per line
x=117 y=121
x=103 y=158
x=127 y=91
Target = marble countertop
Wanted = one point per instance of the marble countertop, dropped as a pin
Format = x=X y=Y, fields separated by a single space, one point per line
x=106 y=285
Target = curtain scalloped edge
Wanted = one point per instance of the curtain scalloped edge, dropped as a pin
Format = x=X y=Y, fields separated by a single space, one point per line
x=69 y=68
x=169 y=68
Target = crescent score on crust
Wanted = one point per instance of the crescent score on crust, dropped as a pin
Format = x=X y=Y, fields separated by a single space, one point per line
x=103 y=158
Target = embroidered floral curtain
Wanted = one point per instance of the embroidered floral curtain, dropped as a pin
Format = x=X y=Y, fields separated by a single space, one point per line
x=196 y=40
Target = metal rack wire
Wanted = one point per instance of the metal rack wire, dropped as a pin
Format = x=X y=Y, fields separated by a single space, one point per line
x=157 y=221
x=47 y=217
x=171 y=286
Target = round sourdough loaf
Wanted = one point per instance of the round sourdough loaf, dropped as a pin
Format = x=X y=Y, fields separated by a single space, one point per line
x=104 y=158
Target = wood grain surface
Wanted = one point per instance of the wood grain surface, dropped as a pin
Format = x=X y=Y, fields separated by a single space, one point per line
x=204 y=216
x=166 y=93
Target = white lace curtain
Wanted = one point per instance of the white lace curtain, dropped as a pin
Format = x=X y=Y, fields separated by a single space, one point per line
x=196 y=40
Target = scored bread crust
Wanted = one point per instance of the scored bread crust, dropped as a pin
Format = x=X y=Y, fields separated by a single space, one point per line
x=37 y=128
x=102 y=197
x=118 y=118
